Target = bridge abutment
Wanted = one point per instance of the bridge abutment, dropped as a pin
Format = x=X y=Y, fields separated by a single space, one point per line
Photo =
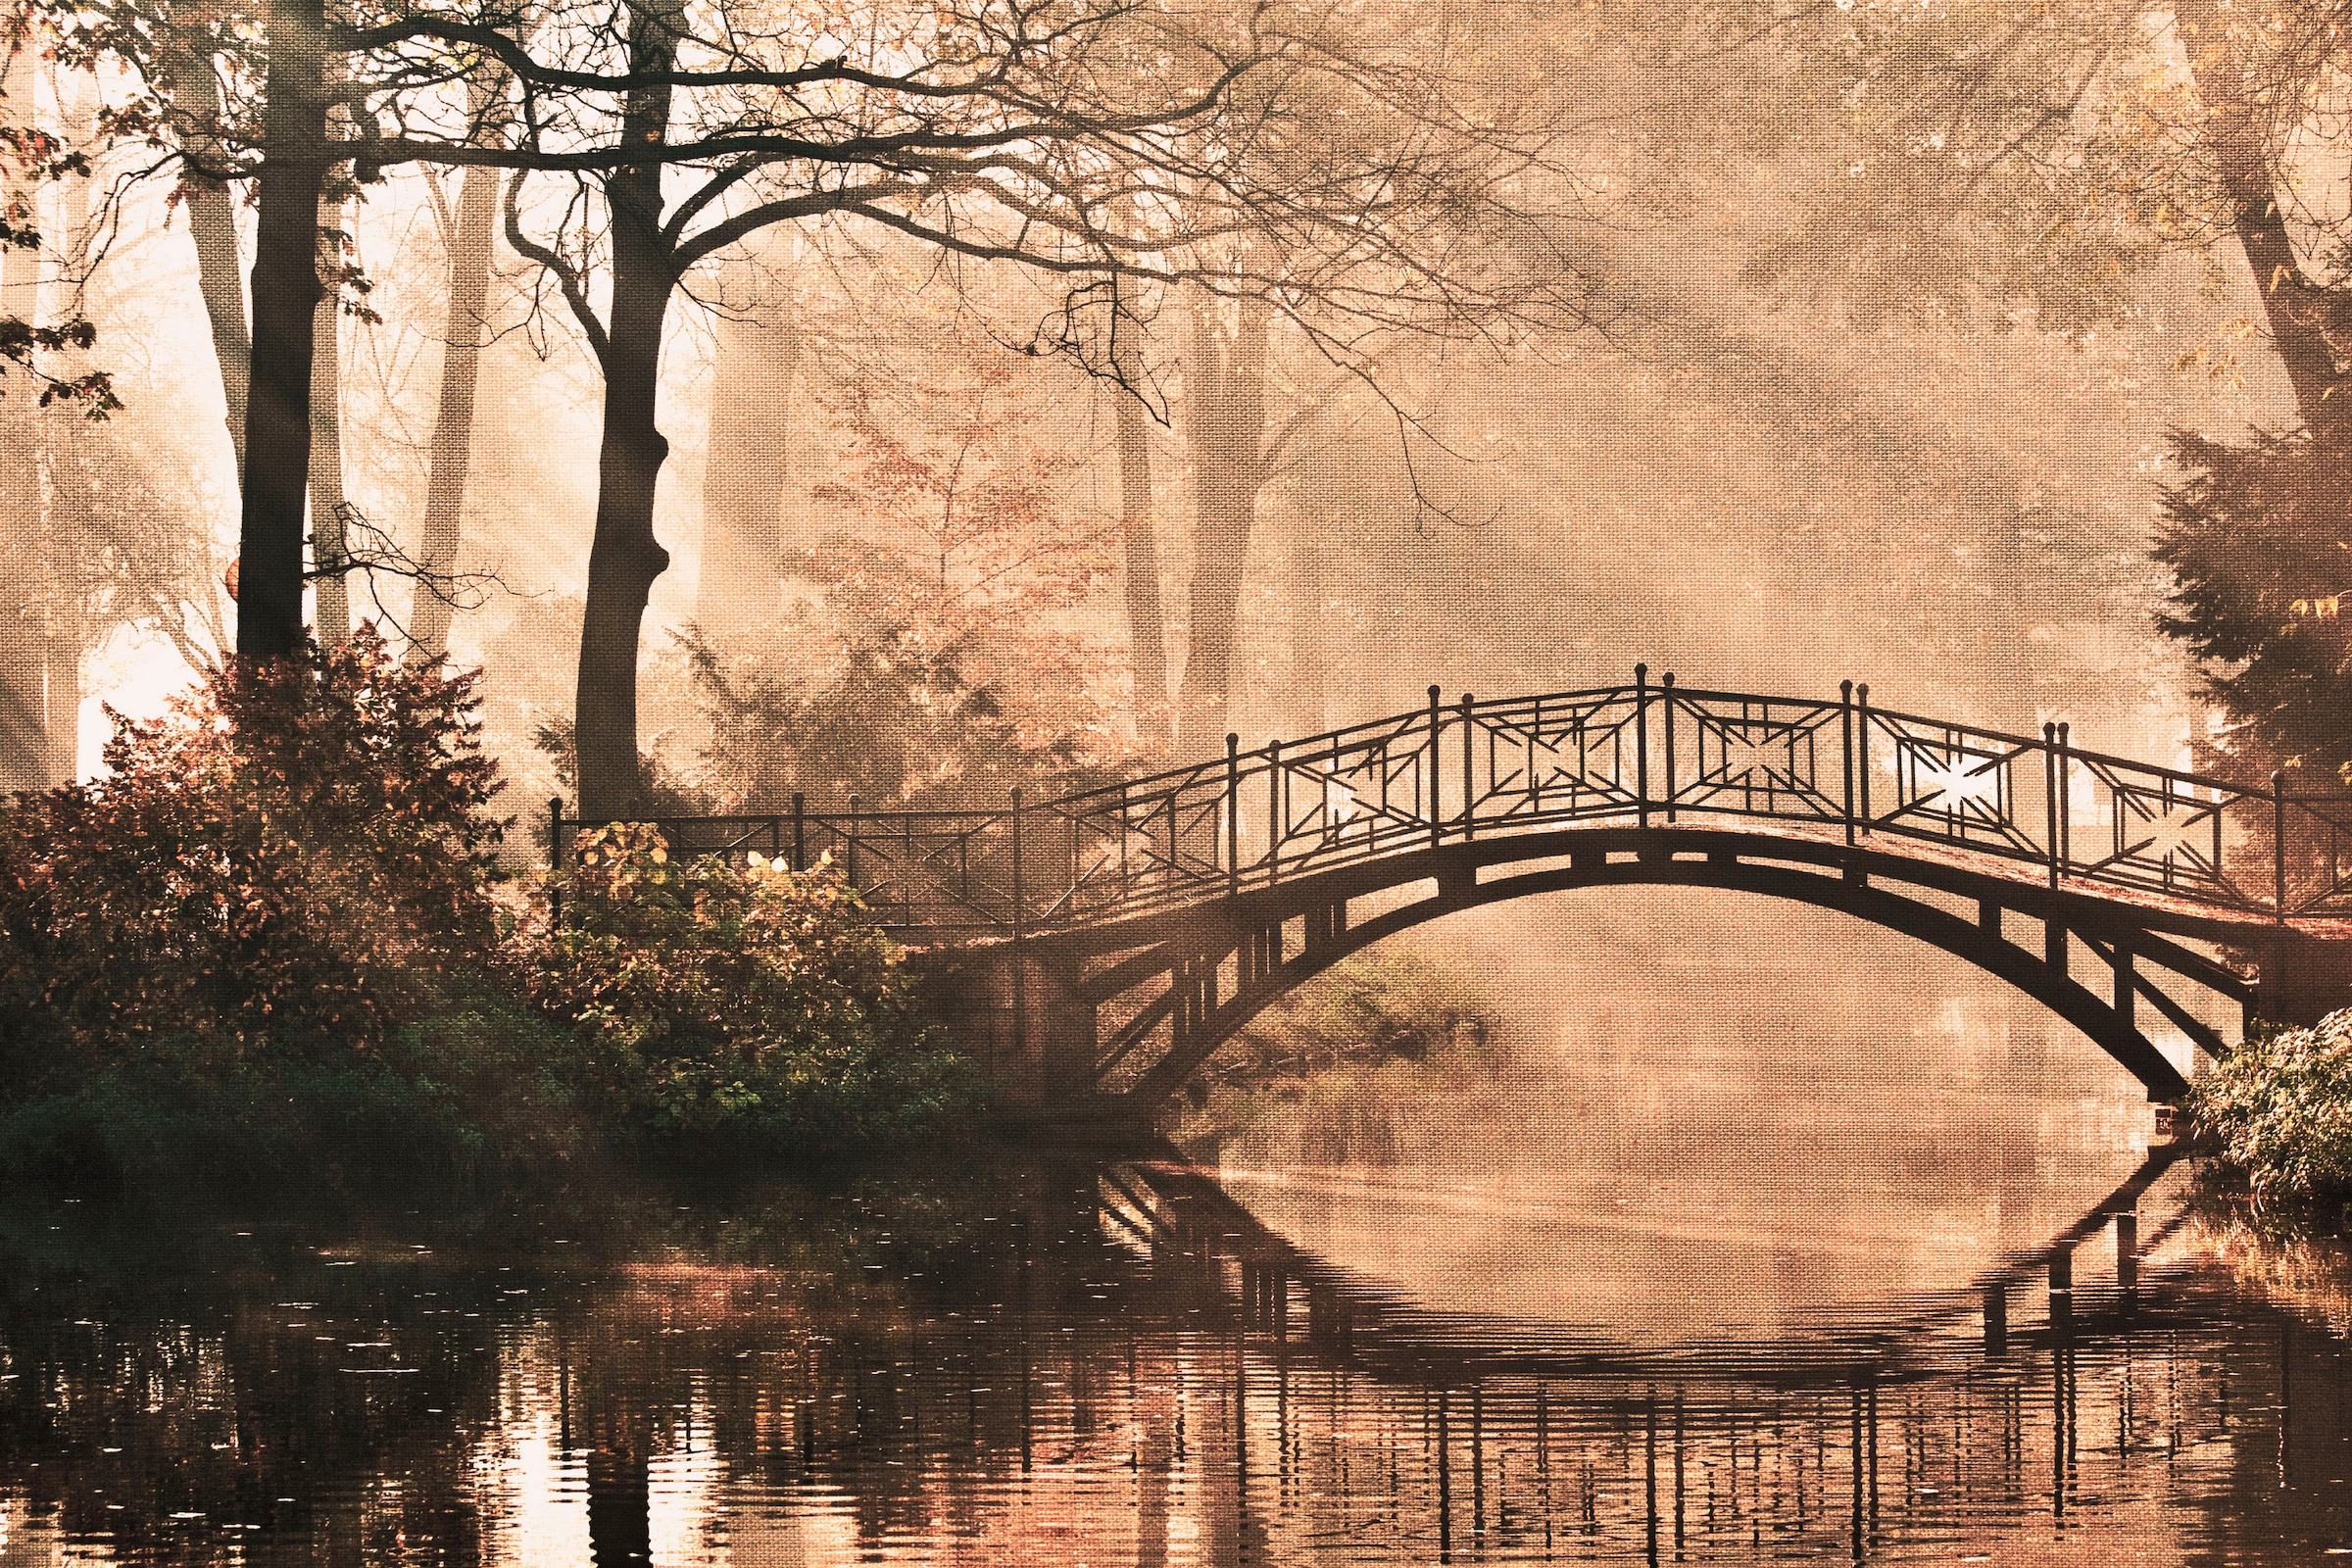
x=1021 y=1018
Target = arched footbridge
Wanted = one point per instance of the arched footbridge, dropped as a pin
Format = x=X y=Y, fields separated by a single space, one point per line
x=1096 y=948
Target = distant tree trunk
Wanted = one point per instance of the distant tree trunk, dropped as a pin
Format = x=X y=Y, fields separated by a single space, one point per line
x=285 y=297
x=330 y=549
x=470 y=257
x=744 y=471
x=1225 y=404
x=68 y=459
x=23 y=658
x=1309 y=613
x=212 y=226
x=1146 y=638
x=625 y=558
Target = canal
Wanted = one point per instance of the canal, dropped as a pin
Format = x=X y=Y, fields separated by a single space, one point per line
x=1747 y=1249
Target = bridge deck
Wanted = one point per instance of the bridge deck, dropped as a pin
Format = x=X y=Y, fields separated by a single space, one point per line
x=2198 y=856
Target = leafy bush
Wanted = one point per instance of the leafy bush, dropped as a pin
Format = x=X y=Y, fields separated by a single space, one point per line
x=1374 y=1007
x=289 y=860
x=752 y=1008
x=2280 y=1109
x=267 y=939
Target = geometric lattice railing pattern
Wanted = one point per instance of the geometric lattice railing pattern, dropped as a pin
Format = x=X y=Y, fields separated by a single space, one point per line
x=1641 y=754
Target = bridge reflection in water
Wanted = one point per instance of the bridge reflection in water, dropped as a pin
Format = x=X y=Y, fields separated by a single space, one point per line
x=1113 y=1365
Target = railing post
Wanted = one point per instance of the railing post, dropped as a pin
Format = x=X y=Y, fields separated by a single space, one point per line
x=1862 y=752
x=1469 y=770
x=2049 y=797
x=1667 y=708
x=555 y=859
x=1845 y=750
x=2066 y=796
x=1233 y=814
x=2278 y=844
x=1277 y=819
x=1641 y=745
x=853 y=857
x=800 y=831
x=1437 y=726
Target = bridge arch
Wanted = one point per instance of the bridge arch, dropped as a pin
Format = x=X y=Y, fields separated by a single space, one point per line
x=1179 y=988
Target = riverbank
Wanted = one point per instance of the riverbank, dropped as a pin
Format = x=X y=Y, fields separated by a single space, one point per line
x=275 y=936
x=1324 y=1075
x=2277 y=1113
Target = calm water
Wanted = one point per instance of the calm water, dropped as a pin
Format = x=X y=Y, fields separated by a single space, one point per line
x=1780 y=1287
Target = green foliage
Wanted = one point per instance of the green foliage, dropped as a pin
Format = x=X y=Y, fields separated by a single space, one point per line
x=1334 y=1072
x=288 y=859
x=903 y=719
x=267 y=940
x=752 y=1007
x=1374 y=1007
x=2249 y=532
x=2280 y=1107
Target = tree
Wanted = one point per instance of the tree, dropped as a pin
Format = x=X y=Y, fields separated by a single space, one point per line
x=999 y=134
x=2036 y=164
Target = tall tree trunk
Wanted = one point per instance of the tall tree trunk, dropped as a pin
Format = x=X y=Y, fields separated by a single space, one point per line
x=213 y=226
x=1225 y=405
x=744 y=473
x=1147 y=637
x=625 y=558
x=2296 y=308
x=470 y=256
x=23 y=674
x=285 y=297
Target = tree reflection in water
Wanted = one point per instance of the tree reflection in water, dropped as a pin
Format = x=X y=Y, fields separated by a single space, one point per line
x=1103 y=1365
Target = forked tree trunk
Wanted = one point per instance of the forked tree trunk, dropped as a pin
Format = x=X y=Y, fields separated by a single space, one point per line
x=1225 y=401
x=625 y=558
x=744 y=476
x=470 y=257
x=285 y=297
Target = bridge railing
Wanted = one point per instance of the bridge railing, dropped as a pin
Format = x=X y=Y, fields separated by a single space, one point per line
x=1639 y=753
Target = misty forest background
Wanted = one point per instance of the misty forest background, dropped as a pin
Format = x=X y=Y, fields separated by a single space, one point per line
x=1769 y=343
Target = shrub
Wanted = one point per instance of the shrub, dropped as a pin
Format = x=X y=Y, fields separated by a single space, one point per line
x=1373 y=1007
x=754 y=1008
x=2280 y=1109
x=290 y=859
